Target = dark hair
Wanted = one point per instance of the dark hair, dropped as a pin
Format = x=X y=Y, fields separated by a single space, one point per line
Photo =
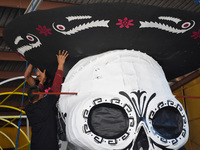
x=34 y=89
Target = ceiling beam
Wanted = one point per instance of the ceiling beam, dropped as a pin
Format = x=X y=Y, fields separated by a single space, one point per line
x=10 y=56
x=24 y=4
x=10 y=74
x=185 y=80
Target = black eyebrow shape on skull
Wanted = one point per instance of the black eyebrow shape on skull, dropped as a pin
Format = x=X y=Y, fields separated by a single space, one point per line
x=140 y=112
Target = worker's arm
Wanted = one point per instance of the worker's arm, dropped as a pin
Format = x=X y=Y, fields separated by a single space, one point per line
x=61 y=57
x=28 y=76
x=42 y=79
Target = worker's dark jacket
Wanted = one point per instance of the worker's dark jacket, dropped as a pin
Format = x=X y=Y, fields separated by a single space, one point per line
x=42 y=118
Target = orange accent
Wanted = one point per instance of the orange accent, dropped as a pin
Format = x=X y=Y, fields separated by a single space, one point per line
x=21 y=107
x=56 y=93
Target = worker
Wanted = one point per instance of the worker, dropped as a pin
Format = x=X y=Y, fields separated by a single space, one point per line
x=41 y=110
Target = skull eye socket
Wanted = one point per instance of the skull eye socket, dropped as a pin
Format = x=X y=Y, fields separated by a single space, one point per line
x=108 y=120
x=168 y=122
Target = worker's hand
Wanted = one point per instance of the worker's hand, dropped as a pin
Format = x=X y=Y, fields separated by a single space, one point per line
x=41 y=76
x=61 y=57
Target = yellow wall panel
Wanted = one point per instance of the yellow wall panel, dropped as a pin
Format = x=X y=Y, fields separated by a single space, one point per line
x=193 y=111
x=11 y=132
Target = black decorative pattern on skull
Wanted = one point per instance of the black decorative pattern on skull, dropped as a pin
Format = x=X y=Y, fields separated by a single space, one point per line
x=164 y=127
x=126 y=109
x=139 y=104
x=168 y=124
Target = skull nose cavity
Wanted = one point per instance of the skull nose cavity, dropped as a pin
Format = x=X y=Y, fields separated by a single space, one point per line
x=141 y=142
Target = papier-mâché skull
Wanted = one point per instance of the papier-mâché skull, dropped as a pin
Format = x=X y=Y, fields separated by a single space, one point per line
x=123 y=102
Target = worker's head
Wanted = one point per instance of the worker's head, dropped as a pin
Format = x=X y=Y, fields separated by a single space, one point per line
x=34 y=97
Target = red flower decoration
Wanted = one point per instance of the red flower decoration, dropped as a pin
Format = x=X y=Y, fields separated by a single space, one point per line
x=43 y=30
x=125 y=23
x=196 y=34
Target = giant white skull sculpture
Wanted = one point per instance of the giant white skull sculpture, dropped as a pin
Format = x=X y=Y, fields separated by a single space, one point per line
x=123 y=102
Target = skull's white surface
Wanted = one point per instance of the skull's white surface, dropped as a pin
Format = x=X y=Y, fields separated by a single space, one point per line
x=127 y=86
